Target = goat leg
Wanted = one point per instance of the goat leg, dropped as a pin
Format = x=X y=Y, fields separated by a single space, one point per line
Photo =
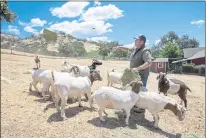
x=86 y=96
x=128 y=115
x=79 y=99
x=63 y=103
x=105 y=113
x=100 y=114
x=156 y=119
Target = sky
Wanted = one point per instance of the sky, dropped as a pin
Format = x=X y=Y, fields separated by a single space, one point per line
x=113 y=21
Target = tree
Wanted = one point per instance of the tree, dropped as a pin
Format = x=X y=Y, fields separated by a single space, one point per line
x=106 y=47
x=193 y=43
x=104 y=51
x=120 y=54
x=79 y=49
x=6 y=13
x=72 y=49
x=185 y=42
x=171 y=50
x=169 y=37
x=155 y=50
x=49 y=36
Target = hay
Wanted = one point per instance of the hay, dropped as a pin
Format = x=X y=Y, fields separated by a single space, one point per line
x=129 y=76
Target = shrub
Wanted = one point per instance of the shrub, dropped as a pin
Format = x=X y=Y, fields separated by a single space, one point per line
x=188 y=68
x=196 y=70
x=191 y=68
x=200 y=70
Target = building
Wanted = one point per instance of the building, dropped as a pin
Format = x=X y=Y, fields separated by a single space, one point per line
x=193 y=56
x=159 y=65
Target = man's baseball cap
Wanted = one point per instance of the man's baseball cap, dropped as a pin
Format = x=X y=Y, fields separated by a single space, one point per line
x=141 y=37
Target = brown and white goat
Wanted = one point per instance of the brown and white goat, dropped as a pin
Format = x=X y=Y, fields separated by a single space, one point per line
x=172 y=86
x=155 y=103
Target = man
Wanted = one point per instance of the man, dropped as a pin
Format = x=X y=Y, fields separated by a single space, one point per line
x=140 y=60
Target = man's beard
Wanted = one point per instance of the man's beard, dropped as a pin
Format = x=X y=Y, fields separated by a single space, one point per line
x=139 y=46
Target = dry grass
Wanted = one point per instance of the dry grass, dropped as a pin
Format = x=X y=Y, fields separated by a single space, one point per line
x=23 y=113
x=90 y=47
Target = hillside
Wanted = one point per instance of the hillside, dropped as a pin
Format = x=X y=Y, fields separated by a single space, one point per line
x=38 y=44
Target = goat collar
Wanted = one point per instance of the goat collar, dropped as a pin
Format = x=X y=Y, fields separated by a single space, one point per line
x=92 y=67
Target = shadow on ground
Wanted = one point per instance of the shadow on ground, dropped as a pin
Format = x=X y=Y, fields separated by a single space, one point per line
x=34 y=93
x=69 y=112
x=134 y=121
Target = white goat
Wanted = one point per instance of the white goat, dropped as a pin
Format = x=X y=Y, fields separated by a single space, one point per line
x=114 y=78
x=74 y=86
x=84 y=70
x=112 y=98
x=155 y=103
x=45 y=77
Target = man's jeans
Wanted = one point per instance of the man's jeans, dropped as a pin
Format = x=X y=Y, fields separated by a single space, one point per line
x=144 y=89
x=144 y=81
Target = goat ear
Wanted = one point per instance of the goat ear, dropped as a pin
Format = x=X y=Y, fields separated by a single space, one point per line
x=132 y=83
x=164 y=74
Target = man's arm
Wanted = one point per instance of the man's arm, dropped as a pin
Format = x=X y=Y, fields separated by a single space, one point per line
x=147 y=59
x=123 y=48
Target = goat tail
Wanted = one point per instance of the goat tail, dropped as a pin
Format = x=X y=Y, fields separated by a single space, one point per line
x=52 y=74
x=29 y=71
x=53 y=80
x=189 y=89
x=54 y=89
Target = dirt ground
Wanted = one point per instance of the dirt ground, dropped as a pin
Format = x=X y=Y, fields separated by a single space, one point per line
x=24 y=114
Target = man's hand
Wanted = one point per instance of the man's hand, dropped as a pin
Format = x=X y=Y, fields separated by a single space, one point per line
x=135 y=69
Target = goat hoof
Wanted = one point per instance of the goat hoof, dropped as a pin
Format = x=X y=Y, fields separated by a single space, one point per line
x=64 y=118
x=102 y=120
x=155 y=126
x=39 y=94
